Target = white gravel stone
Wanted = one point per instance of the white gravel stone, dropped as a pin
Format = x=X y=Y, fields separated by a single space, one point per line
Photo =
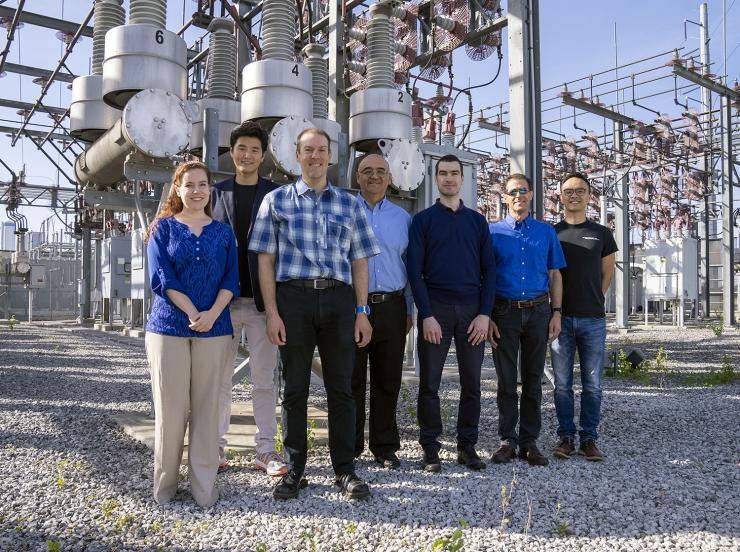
x=68 y=475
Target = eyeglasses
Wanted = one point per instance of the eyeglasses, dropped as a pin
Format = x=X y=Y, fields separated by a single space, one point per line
x=369 y=172
x=580 y=192
x=517 y=192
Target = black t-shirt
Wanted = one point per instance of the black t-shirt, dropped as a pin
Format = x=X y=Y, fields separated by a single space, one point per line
x=584 y=246
x=243 y=203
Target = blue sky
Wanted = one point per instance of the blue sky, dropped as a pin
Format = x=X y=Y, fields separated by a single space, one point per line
x=577 y=38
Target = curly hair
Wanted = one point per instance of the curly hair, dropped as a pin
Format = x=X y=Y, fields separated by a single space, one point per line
x=174 y=205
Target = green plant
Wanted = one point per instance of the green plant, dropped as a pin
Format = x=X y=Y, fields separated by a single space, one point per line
x=179 y=523
x=506 y=496
x=61 y=464
x=156 y=526
x=279 y=438
x=261 y=547
x=124 y=521
x=310 y=434
x=628 y=370
x=310 y=538
x=53 y=546
x=562 y=526
x=109 y=506
x=661 y=366
x=351 y=527
x=725 y=375
x=453 y=543
x=719 y=327
x=12 y=321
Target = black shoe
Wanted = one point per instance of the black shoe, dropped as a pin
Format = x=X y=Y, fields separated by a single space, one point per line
x=430 y=462
x=389 y=461
x=469 y=458
x=352 y=486
x=533 y=456
x=289 y=486
x=505 y=454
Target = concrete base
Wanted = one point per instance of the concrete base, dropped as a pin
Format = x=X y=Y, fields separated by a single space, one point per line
x=241 y=432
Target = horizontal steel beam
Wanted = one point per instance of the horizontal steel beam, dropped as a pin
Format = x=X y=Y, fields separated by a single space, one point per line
x=34 y=195
x=13 y=104
x=35 y=133
x=48 y=22
x=704 y=82
x=117 y=201
x=36 y=72
x=598 y=110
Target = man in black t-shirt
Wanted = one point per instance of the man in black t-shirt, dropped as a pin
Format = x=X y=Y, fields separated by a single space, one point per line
x=236 y=201
x=589 y=252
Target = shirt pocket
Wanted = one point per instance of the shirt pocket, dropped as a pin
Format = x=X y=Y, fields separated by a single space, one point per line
x=339 y=230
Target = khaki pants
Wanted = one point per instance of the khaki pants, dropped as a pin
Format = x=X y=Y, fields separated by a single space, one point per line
x=186 y=374
x=262 y=362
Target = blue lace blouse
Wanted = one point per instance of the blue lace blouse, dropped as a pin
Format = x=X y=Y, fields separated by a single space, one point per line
x=198 y=266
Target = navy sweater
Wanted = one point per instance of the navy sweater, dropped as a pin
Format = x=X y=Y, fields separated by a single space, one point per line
x=450 y=259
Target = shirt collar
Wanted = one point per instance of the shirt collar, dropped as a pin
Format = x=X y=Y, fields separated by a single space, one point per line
x=459 y=207
x=362 y=201
x=512 y=222
x=301 y=187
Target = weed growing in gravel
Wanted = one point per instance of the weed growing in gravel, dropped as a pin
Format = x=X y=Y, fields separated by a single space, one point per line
x=719 y=327
x=637 y=372
x=261 y=547
x=61 y=464
x=12 y=321
x=109 y=506
x=406 y=401
x=53 y=546
x=279 y=438
x=562 y=526
x=179 y=523
x=156 y=526
x=453 y=543
x=124 y=521
x=310 y=434
x=725 y=375
x=661 y=366
x=351 y=527
x=506 y=496
x=310 y=538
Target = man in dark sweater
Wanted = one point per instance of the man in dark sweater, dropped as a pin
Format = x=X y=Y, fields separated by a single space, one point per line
x=236 y=202
x=589 y=251
x=452 y=272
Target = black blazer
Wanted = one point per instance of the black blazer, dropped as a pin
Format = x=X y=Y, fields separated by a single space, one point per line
x=222 y=209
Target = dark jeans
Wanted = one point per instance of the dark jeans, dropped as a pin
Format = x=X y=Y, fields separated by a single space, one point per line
x=325 y=318
x=454 y=320
x=385 y=352
x=526 y=329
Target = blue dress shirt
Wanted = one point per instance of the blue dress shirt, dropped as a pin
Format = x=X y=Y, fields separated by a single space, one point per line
x=387 y=270
x=198 y=266
x=525 y=250
x=312 y=235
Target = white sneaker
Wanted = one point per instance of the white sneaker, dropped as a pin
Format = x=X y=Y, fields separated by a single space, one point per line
x=271 y=463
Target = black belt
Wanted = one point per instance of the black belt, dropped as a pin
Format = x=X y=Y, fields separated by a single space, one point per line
x=523 y=304
x=319 y=283
x=382 y=296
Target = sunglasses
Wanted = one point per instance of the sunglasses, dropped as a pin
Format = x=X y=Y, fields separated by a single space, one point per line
x=517 y=192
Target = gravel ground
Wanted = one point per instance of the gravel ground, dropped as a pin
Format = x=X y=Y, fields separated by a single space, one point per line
x=70 y=480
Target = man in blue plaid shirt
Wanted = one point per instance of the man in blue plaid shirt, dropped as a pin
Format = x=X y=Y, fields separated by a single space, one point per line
x=313 y=242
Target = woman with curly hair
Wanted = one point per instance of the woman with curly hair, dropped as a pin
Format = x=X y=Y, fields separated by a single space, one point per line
x=194 y=274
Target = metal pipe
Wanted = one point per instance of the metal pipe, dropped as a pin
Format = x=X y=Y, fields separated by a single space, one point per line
x=11 y=33
x=210 y=138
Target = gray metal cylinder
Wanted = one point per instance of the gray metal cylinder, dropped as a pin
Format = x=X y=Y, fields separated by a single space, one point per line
x=155 y=124
x=379 y=113
x=314 y=60
x=221 y=59
x=278 y=29
x=228 y=116
x=107 y=14
x=89 y=115
x=142 y=56
x=283 y=143
x=332 y=128
x=151 y=12
x=380 y=47
x=275 y=88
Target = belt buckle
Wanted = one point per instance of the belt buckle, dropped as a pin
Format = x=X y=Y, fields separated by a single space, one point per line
x=320 y=283
x=373 y=298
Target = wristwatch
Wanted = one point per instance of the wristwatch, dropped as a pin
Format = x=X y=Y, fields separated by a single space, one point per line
x=364 y=309
x=557 y=309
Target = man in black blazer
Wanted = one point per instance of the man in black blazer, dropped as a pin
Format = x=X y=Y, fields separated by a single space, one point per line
x=236 y=201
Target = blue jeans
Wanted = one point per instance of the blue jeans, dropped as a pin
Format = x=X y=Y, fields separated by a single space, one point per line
x=587 y=336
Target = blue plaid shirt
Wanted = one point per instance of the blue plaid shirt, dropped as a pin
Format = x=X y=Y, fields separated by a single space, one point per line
x=312 y=235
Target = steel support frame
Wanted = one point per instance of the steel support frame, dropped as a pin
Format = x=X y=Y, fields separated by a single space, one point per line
x=728 y=227
x=623 y=271
x=525 y=136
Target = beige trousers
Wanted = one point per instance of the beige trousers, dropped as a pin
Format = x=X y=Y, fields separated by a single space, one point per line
x=262 y=363
x=186 y=374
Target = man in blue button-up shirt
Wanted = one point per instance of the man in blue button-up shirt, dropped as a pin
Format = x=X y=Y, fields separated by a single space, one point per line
x=390 y=303
x=526 y=317
x=314 y=240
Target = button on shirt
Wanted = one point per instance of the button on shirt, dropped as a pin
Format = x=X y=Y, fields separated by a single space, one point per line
x=312 y=235
x=525 y=251
x=387 y=270
x=198 y=266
